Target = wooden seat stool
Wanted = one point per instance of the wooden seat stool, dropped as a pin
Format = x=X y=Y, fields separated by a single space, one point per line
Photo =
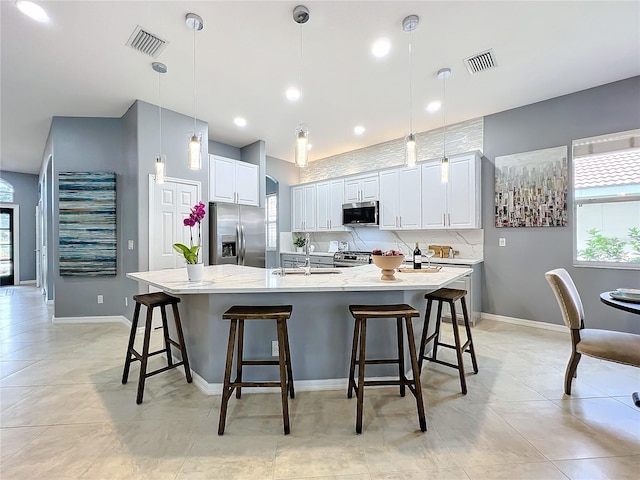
x=151 y=301
x=450 y=296
x=361 y=313
x=238 y=314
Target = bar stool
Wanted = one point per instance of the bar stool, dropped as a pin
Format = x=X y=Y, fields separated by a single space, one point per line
x=151 y=301
x=361 y=313
x=238 y=314
x=450 y=296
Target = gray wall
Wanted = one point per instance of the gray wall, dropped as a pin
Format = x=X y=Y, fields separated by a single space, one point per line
x=515 y=285
x=25 y=195
x=81 y=145
x=224 y=150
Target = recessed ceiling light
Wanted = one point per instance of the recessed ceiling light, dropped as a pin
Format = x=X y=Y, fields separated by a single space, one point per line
x=240 y=122
x=32 y=10
x=293 y=94
x=358 y=130
x=381 y=47
x=434 y=106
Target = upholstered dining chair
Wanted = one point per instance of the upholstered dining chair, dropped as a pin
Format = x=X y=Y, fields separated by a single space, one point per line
x=608 y=345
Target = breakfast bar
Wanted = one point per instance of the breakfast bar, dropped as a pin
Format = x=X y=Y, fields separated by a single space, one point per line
x=320 y=328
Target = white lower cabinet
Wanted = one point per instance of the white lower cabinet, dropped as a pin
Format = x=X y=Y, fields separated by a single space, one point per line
x=292 y=260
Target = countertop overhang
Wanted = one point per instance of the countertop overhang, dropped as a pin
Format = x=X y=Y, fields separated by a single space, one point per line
x=240 y=279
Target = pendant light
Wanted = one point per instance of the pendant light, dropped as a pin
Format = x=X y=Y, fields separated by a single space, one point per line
x=195 y=23
x=443 y=74
x=409 y=24
x=160 y=167
x=301 y=16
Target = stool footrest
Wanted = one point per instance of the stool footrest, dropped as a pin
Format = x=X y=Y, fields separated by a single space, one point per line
x=254 y=384
x=164 y=369
x=260 y=362
x=442 y=362
x=381 y=361
x=382 y=383
x=139 y=356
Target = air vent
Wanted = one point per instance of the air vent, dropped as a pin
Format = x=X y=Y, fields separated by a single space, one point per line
x=480 y=62
x=146 y=42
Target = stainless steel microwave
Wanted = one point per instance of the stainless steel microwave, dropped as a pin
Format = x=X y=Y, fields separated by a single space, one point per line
x=361 y=213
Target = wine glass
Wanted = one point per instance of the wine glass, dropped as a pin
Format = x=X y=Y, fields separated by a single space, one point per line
x=429 y=253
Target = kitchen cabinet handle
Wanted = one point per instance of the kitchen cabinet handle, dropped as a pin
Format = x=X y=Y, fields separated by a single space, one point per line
x=449 y=216
x=400 y=217
x=444 y=220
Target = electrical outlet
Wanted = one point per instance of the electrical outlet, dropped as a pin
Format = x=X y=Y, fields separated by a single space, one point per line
x=130 y=244
x=100 y=299
x=126 y=301
x=502 y=242
x=275 y=351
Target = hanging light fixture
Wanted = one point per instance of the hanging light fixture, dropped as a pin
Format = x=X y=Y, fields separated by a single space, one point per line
x=301 y=16
x=409 y=24
x=195 y=23
x=160 y=167
x=443 y=74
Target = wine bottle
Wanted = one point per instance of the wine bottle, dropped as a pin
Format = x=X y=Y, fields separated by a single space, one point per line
x=417 y=258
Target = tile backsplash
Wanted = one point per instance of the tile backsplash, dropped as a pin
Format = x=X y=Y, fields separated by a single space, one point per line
x=469 y=243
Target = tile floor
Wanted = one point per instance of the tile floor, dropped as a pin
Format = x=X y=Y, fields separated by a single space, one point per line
x=65 y=415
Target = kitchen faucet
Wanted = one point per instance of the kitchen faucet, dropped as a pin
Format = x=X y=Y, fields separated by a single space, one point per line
x=307 y=258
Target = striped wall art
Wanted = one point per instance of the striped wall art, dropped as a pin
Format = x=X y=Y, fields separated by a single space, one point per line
x=87 y=223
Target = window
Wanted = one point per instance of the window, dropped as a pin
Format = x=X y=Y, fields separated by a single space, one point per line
x=6 y=191
x=272 y=221
x=606 y=188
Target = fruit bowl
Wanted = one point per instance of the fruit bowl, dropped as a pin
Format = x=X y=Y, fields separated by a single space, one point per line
x=388 y=264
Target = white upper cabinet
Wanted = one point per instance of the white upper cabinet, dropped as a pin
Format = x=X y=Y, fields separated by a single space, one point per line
x=232 y=181
x=361 y=188
x=455 y=204
x=303 y=208
x=329 y=200
x=400 y=199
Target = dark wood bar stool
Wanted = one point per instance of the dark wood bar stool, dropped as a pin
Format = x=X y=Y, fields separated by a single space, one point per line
x=238 y=314
x=151 y=301
x=361 y=313
x=450 y=296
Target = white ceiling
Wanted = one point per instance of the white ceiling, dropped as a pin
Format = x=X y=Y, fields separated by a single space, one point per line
x=248 y=54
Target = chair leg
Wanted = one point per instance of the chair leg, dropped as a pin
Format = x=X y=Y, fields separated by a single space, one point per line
x=287 y=352
x=352 y=365
x=183 y=346
x=239 y=357
x=458 y=345
x=132 y=339
x=467 y=326
x=165 y=334
x=361 y=365
x=283 y=376
x=226 y=387
x=425 y=333
x=145 y=355
x=571 y=370
x=416 y=374
x=436 y=337
x=401 y=375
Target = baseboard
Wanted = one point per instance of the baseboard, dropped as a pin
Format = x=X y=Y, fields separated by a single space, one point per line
x=27 y=282
x=525 y=323
x=96 y=319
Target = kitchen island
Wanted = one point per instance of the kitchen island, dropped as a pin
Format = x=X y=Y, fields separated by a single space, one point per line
x=320 y=328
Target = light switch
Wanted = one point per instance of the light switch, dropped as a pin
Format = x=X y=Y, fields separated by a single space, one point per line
x=130 y=244
x=502 y=242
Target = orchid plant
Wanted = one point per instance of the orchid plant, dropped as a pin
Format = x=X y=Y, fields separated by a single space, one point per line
x=191 y=253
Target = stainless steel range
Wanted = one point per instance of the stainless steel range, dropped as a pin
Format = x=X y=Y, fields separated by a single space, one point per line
x=351 y=259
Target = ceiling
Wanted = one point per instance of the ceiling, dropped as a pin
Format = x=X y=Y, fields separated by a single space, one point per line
x=249 y=53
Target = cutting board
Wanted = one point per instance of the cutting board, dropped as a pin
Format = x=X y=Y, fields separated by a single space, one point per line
x=420 y=270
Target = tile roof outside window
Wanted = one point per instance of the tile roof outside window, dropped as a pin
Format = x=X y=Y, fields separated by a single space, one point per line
x=607 y=169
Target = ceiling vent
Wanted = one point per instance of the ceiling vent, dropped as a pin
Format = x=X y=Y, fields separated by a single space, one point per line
x=480 y=62
x=146 y=42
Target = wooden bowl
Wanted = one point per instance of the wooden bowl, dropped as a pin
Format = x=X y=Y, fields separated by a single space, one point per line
x=388 y=264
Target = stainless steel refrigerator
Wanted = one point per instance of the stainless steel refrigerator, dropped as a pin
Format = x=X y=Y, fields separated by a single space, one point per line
x=236 y=235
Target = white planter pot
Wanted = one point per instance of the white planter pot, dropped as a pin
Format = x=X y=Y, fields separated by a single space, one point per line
x=195 y=271
x=300 y=249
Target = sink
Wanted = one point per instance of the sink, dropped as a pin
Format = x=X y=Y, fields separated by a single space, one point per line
x=300 y=271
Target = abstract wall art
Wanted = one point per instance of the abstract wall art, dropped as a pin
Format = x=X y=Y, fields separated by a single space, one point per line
x=531 y=189
x=87 y=223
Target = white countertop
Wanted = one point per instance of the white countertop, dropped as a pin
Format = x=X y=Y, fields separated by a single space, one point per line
x=239 y=279
x=452 y=261
x=313 y=254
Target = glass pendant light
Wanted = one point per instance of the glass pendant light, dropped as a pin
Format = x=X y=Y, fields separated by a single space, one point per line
x=443 y=74
x=195 y=142
x=301 y=16
x=409 y=24
x=160 y=166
